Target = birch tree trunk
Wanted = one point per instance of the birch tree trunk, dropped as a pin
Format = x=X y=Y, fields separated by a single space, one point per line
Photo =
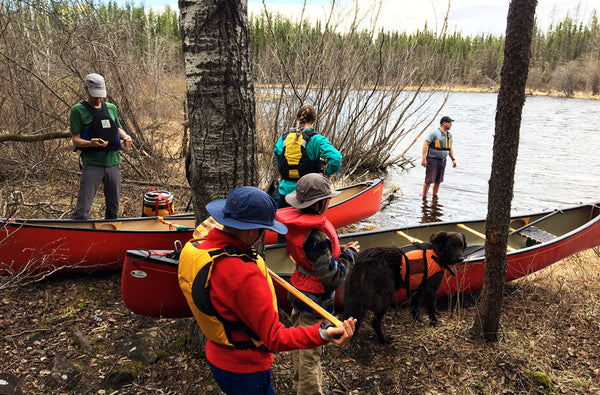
x=511 y=99
x=220 y=94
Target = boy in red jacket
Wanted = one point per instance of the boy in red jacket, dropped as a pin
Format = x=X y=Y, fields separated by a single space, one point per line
x=231 y=295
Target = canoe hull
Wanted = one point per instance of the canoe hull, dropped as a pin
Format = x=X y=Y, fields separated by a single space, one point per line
x=153 y=276
x=580 y=228
x=41 y=247
x=34 y=247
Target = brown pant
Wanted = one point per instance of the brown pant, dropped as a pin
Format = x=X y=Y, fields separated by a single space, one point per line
x=308 y=376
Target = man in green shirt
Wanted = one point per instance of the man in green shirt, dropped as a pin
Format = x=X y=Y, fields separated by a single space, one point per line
x=97 y=133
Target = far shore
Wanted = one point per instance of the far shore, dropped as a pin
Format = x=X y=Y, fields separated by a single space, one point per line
x=465 y=88
x=528 y=92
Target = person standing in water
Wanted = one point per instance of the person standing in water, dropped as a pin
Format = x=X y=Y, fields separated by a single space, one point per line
x=436 y=148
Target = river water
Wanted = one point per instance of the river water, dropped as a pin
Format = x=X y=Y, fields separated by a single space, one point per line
x=557 y=165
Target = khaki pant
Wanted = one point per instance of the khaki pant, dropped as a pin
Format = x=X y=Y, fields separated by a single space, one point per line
x=308 y=376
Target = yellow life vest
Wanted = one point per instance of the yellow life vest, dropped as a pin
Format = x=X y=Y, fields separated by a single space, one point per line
x=294 y=161
x=195 y=270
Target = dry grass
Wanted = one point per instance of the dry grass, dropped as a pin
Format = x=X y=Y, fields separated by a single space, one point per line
x=495 y=88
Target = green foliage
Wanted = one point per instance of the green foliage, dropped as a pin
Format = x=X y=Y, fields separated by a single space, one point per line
x=468 y=60
x=147 y=21
x=148 y=24
x=161 y=354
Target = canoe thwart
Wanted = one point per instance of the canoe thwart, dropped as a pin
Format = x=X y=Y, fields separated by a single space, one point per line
x=479 y=234
x=407 y=237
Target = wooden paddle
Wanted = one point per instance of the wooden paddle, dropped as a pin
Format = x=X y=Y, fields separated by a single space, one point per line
x=172 y=226
x=290 y=288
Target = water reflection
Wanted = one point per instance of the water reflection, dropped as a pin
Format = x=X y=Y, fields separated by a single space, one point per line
x=432 y=212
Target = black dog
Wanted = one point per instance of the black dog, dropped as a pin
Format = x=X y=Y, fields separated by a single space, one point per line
x=418 y=268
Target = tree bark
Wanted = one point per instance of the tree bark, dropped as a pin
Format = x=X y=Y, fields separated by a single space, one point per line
x=511 y=99
x=216 y=47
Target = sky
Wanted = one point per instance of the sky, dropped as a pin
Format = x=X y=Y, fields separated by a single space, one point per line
x=469 y=17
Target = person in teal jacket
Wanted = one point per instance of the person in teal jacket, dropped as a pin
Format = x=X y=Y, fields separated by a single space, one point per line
x=303 y=151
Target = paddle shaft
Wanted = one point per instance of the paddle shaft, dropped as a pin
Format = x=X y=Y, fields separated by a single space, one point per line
x=535 y=222
x=290 y=288
x=413 y=143
x=171 y=224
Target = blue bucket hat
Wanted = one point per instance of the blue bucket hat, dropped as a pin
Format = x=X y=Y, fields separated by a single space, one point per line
x=246 y=208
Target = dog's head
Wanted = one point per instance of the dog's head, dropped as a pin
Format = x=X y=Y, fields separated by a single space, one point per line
x=448 y=247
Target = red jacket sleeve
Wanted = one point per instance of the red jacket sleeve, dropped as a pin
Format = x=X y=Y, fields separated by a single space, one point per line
x=239 y=291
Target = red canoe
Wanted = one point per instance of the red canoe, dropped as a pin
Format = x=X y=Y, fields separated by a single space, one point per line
x=40 y=246
x=353 y=204
x=149 y=281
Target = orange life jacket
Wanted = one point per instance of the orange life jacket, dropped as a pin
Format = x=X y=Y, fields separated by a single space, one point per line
x=299 y=224
x=418 y=266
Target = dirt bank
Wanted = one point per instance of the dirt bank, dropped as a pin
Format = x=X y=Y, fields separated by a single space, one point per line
x=73 y=335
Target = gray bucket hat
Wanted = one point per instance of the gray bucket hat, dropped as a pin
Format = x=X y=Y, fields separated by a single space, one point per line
x=246 y=208
x=310 y=189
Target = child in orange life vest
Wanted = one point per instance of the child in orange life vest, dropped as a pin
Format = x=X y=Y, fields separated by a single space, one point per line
x=321 y=266
x=231 y=295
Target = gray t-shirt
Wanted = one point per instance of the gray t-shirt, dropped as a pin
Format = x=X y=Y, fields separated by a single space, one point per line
x=438 y=135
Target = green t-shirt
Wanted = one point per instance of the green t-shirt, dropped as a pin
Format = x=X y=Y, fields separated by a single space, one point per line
x=79 y=120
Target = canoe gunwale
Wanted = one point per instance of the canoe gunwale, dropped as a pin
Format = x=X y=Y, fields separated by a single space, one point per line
x=367 y=186
x=44 y=223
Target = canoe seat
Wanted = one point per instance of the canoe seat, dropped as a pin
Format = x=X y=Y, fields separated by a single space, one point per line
x=107 y=225
x=536 y=235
